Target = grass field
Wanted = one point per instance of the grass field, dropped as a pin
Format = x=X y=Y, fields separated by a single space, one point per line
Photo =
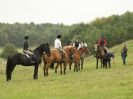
x=90 y=83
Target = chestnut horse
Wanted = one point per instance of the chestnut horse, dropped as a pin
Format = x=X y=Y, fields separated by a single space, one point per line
x=77 y=57
x=56 y=57
x=74 y=56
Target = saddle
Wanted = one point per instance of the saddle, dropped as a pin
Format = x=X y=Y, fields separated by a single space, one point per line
x=105 y=51
x=30 y=57
x=62 y=54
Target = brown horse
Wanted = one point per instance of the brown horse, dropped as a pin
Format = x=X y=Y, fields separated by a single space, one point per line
x=50 y=60
x=77 y=56
x=83 y=56
x=100 y=54
x=56 y=57
x=69 y=50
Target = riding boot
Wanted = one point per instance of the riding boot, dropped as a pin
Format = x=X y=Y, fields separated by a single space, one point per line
x=63 y=57
x=32 y=59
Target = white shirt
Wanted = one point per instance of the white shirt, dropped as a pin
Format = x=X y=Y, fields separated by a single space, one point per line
x=57 y=43
x=78 y=46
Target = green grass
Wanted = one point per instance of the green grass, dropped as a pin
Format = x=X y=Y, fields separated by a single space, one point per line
x=90 y=83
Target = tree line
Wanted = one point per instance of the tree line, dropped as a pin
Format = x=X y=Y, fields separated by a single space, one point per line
x=116 y=29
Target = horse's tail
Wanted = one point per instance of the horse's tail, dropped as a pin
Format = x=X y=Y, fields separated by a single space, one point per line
x=8 y=68
x=52 y=65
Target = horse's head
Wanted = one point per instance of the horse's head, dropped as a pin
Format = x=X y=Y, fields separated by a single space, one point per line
x=84 y=48
x=43 y=48
x=46 y=48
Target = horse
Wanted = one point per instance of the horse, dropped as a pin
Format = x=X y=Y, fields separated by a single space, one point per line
x=56 y=57
x=22 y=59
x=77 y=57
x=83 y=56
x=99 y=55
x=107 y=59
x=69 y=50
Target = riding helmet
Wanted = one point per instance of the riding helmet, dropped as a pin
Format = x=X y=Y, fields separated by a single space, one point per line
x=26 y=37
x=59 y=36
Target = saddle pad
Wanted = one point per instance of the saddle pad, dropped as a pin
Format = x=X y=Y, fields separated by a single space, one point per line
x=56 y=50
x=26 y=55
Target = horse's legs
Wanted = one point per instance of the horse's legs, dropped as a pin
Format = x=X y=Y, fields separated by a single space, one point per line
x=97 y=63
x=9 y=70
x=109 y=64
x=76 y=66
x=82 y=60
x=36 y=72
x=70 y=64
x=56 y=67
x=105 y=64
x=44 y=69
x=79 y=65
x=102 y=63
x=64 y=64
x=47 y=67
x=61 y=68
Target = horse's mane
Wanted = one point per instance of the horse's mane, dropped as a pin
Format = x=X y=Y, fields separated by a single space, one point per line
x=39 y=48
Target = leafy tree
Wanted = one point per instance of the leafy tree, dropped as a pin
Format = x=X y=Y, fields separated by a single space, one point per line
x=8 y=50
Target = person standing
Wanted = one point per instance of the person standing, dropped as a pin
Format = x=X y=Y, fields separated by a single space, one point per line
x=124 y=54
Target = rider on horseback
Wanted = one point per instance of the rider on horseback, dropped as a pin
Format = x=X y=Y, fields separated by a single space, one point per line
x=58 y=46
x=77 y=44
x=26 y=49
x=102 y=42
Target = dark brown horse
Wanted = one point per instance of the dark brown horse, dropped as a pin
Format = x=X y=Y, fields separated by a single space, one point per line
x=100 y=54
x=107 y=59
x=56 y=57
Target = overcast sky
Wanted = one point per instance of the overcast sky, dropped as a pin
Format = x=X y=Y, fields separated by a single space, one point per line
x=60 y=11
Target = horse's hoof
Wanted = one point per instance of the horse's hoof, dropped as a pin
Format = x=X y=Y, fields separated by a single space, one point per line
x=35 y=77
x=8 y=80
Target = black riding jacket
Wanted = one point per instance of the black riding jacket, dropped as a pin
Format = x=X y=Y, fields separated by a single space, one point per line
x=26 y=45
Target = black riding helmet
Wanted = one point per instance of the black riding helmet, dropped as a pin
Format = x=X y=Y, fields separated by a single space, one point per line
x=26 y=37
x=59 y=36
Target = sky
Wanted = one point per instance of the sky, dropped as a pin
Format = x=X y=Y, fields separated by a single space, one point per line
x=67 y=12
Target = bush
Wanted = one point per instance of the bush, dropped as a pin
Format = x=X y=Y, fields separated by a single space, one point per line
x=8 y=50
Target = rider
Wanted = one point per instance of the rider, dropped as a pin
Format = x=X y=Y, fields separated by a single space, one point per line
x=58 y=46
x=102 y=42
x=26 y=49
x=77 y=44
